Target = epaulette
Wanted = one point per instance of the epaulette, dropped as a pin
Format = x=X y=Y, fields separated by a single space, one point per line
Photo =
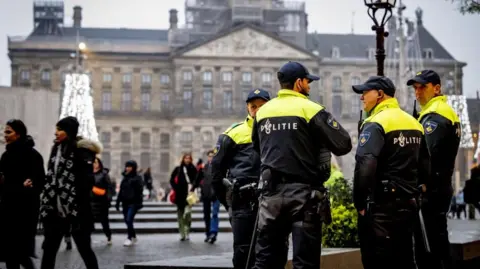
x=235 y=125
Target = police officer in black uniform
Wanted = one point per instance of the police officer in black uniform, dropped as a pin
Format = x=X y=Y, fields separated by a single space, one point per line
x=234 y=153
x=442 y=135
x=295 y=138
x=388 y=162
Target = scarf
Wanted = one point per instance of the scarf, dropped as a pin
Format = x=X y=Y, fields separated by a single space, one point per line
x=59 y=193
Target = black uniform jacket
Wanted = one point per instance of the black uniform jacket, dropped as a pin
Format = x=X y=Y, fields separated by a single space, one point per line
x=442 y=134
x=390 y=149
x=234 y=153
x=296 y=137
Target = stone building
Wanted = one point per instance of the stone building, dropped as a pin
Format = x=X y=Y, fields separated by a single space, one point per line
x=162 y=92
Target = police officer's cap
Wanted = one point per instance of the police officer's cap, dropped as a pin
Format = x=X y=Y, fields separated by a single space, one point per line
x=258 y=93
x=292 y=71
x=376 y=83
x=425 y=77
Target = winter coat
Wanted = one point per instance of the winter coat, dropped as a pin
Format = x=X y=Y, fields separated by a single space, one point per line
x=101 y=204
x=131 y=190
x=84 y=152
x=181 y=186
x=147 y=178
x=19 y=207
x=204 y=180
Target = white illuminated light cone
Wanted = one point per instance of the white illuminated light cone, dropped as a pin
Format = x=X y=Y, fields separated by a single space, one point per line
x=77 y=102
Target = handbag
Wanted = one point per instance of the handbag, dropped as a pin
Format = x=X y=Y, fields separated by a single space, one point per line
x=99 y=191
x=171 y=194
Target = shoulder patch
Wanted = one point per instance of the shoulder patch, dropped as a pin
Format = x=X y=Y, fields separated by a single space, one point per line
x=363 y=139
x=430 y=126
x=216 y=149
x=333 y=123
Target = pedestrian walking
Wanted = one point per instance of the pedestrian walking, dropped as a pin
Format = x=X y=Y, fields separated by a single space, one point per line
x=442 y=134
x=147 y=179
x=102 y=194
x=182 y=180
x=461 y=205
x=390 y=161
x=23 y=178
x=66 y=195
x=295 y=138
x=130 y=197
x=211 y=205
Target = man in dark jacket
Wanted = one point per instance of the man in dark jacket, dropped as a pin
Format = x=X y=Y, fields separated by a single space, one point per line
x=131 y=197
x=65 y=200
x=211 y=205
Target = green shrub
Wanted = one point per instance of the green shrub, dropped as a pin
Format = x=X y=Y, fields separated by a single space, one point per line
x=342 y=232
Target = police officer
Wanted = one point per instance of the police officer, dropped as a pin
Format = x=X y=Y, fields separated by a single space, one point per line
x=442 y=135
x=388 y=160
x=234 y=153
x=295 y=138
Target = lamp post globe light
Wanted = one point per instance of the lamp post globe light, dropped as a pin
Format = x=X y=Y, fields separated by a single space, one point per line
x=380 y=11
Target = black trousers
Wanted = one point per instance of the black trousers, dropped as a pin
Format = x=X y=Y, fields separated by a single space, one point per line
x=435 y=217
x=386 y=235
x=54 y=230
x=287 y=208
x=103 y=219
x=207 y=213
x=244 y=215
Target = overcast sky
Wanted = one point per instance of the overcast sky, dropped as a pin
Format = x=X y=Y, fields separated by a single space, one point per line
x=459 y=34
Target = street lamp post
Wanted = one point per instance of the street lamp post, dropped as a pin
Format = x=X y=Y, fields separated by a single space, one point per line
x=380 y=11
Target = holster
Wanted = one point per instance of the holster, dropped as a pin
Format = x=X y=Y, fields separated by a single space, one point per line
x=321 y=197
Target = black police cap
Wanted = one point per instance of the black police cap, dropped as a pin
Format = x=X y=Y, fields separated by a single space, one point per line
x=424 y=77
x=292 y=71
x=258 y=93
x=376 y=83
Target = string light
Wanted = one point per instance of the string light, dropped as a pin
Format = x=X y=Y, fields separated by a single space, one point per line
x=77 y=102
x=459 y=104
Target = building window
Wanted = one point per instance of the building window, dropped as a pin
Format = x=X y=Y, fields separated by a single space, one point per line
x=145 y=101
x=145 y=140
x=207 y=98
x=337 y=105
x=146 y=79
x=46 y=75
x=145 y=160
x=335 y=52
x=107 y=78
x=165 y=141
x=337 y=83
x=106 y=159
x=356 y=81
x=187 y=99
x=207 y=76
x=228 y=100
x=428 y=53
x=207 y=137
x=164 y=79
x=125 y=137
x=25 y=75
x=187 y=76
x=124 y=157
x=355 y=103
x=186 y=138
x=165 y=162
x=227 y=76
x=126 y=101
x=267 y=78
x=245 y=95
x=450 y=84
x=292 y=22
x=106 y=101
x=106 y=138
x=246 y=77
x=165 y=98
x=127 y=78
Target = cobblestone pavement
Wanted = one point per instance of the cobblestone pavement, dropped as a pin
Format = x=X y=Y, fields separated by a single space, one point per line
x=149 y=248
x=153 y=247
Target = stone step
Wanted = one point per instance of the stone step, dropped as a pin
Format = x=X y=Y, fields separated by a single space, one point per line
x=165 y=210
x=118 y=217
x=156 y=204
